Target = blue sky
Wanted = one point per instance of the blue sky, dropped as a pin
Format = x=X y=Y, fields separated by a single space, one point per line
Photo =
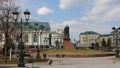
x=80 y=15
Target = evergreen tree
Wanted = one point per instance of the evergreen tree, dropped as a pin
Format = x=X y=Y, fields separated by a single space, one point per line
x=103 y=46
x=109 y=44
x=57 y=44
x=96 y=47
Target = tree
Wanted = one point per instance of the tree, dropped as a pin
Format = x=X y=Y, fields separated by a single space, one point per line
x=109 y=44
x=103 y=44
x=57 y=44
x=7 y=26
x=49 y=39
x=96 y=47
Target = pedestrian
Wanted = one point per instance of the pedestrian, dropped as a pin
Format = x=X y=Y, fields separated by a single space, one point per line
x=49 y=62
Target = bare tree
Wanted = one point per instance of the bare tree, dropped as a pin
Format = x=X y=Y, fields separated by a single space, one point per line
x=7 y=25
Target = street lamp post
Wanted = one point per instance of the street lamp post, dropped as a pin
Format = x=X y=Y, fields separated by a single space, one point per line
x=45 y=39
x=116 y=31
x=38 y=55
x=21 y=53
x=40 y=37
x=38 y=49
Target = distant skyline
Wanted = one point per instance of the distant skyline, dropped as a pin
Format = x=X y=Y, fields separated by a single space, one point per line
x=81 y=15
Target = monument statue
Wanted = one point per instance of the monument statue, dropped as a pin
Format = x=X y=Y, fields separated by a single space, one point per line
x=66 y=32
x=67 y=44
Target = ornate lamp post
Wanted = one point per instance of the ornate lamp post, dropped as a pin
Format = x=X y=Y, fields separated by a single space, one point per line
x=37 y=38
x=45 y=41
x=41 y=30
x=38 y=48
x=40 y=37
x=116 y=31
x=21 y=53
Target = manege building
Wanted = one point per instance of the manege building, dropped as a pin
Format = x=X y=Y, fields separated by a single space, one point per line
x=34 y=36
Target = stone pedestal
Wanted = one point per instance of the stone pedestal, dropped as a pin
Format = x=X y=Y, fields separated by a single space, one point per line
x=67 y=44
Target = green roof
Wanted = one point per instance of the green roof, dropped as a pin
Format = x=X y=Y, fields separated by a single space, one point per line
x=104 y=35
x=36 y=25
x=53 y=32
x=90 y=33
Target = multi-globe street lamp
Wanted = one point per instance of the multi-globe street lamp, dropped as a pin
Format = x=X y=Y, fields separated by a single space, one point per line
x=21 y=52
x=116 y=32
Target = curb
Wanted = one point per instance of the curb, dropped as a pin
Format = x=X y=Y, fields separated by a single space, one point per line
x=78 y=55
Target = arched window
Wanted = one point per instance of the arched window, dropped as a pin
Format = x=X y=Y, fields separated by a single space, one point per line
x=26 y=38
x=35 y=38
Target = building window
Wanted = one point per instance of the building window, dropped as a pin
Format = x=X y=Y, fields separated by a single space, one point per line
x=89 y=40
x=35 y=38
x=26 y=38
x=83 y=37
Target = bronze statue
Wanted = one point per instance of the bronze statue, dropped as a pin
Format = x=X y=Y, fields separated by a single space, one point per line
x=66 y=32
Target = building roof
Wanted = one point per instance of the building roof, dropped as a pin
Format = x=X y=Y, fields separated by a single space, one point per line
x=36 y=25
x=53 y=32
x=104 y=35
x=90 y=33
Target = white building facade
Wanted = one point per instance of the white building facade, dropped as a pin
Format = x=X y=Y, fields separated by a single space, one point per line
x=57 y=35
x=35 y=36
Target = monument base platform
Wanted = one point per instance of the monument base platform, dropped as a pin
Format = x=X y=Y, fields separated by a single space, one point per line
x=67 y=44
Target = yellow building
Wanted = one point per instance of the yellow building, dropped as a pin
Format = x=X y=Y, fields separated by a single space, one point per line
x=88 y=38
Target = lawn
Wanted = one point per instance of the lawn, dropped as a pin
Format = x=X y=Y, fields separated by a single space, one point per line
x=12 y=61
x=16 y=60
x=74 y=52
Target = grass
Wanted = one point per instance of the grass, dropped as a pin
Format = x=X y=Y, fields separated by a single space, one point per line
x=12 y=61
x=16 y=60
x=74 y=52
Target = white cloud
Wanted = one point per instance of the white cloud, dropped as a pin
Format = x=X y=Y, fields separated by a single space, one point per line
x=55 y=25
x=70 y=23
x=44 y=11
x=77 y=27
x=103 y=11
x=96 y=18
x=66 y=4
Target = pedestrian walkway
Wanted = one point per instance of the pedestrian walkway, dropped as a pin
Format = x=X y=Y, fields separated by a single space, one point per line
x=98 y=62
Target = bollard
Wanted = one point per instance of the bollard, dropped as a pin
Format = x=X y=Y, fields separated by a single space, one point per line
x=44 y=56
x=117 y=53
x=30 y=61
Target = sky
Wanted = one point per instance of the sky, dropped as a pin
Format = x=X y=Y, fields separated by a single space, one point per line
x=80 y=15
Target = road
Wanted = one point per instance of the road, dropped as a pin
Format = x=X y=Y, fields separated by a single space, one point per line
x=98 y=62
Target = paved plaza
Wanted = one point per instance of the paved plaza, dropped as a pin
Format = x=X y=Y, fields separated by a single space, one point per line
x=98 y=62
